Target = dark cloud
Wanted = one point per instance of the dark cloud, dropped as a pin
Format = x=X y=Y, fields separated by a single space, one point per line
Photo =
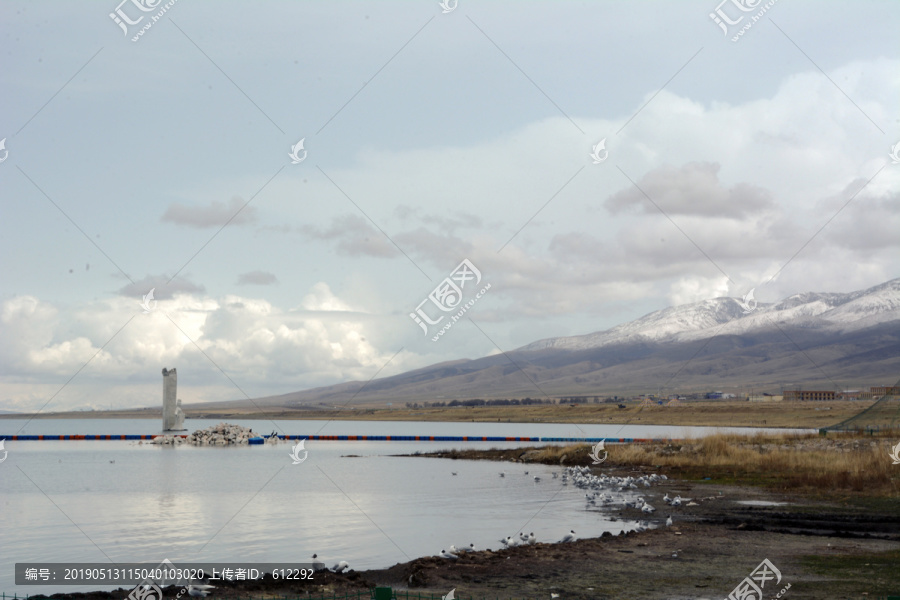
x=355 y=236
x=693 y=189
x=163 y=288
x=257 y=278
x=213 y=215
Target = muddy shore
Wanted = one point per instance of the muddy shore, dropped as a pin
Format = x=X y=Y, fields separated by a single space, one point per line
x=825 y=549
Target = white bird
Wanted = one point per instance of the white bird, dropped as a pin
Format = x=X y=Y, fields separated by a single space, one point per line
x=675 y=554
x=341 y=567
x=666 y=498
x=504 y=541
x=676 y=501
x=449 y=595
x=569 y=537
x=512 y=542
x=454 y=549
x=536 y=478
x=669 y=521
x=445 y=554
x=646 y=508
x=531 y=539
x=199 y=591
x=317 y=564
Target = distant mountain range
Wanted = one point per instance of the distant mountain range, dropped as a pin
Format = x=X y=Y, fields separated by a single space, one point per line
x=823 y=340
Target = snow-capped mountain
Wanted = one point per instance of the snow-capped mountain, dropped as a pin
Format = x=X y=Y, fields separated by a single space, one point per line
x=820 y=339
x=727 y=316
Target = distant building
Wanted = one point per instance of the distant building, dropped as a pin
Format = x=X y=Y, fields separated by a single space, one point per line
x=765 y=398
x=803 y=395
x=880 y=391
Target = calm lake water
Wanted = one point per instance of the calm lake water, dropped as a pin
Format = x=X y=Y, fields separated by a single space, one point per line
x=121 y=501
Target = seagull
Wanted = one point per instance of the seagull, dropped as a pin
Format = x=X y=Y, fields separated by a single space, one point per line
x=445 y=554
x=675 y=554
x=569 y=537
x=646 y=508
x=200 y=591
x=536 y=478
x=504 y=541
x=341 y=567
x=453 y=472
x=531 y=539
x=676 y=501
x=667 y=499
x=454 y=549
x=502 y=474
x=669 y=521
x=526 y=472
x=317 y=564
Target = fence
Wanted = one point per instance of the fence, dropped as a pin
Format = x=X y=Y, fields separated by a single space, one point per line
x=883 y=415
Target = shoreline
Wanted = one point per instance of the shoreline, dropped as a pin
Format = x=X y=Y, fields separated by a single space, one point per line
x=825 y=545
x=708 y=413
x=713 y=552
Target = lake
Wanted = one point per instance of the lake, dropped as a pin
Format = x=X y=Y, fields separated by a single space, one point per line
x=124 y=501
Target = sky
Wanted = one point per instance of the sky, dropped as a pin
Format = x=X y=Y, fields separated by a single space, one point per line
x=306 y=187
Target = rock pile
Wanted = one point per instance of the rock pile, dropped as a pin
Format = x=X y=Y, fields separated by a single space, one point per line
x=222 y=434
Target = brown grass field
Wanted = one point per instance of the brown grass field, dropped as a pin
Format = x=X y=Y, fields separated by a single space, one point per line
x=835 y=465
x=711 y=413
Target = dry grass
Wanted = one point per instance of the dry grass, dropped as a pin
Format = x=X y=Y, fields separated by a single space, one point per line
x=802 y=463
x=712 y=413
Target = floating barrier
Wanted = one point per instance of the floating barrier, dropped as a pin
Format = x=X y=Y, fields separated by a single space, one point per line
x=361 y=438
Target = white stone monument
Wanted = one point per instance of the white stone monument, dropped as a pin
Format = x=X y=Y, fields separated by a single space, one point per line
x=173 y=416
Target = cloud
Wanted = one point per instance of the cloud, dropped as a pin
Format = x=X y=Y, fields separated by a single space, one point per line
x=236 y=212
x=163 y=289
x=263 y=349
x=321 y=298
x=355 y=236
x=461 y=220
x=257 y=278
x=692 y=189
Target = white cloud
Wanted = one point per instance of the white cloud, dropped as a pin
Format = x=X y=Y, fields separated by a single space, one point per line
x=262 y=348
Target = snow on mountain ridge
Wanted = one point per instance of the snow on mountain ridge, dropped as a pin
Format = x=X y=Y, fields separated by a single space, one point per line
x=725 y=316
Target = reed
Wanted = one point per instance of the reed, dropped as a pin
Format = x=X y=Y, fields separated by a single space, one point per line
x=837 y=463
x=842 y=462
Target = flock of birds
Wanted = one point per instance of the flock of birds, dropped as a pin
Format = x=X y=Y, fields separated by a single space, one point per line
x=605 y=490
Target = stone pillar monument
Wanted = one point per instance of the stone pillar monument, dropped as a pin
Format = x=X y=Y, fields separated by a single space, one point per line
x=179 y=416
x=173 y=417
